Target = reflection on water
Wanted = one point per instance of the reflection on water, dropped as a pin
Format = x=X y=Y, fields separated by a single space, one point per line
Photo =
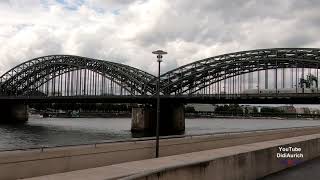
x=66 y=131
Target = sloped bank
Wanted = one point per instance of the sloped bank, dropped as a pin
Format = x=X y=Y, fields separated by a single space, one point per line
x=37 y=162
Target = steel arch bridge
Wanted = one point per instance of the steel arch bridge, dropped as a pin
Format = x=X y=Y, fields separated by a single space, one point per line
x=261 y=71
x=242 y=68
x=66 y=75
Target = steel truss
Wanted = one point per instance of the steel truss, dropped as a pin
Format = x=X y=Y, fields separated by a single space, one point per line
x=195 y=76
x=32 y=74
x=226 y=73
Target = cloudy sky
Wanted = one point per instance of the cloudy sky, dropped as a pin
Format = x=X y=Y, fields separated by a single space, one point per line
x=127 y=31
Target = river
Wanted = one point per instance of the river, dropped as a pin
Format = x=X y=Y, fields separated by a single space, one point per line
x=70 y=131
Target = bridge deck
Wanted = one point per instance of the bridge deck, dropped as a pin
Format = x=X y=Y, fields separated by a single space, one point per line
x=293 y=98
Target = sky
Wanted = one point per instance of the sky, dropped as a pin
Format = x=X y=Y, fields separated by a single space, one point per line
x=127 y=31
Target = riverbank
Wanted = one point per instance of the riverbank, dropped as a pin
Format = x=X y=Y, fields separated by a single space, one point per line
x=83 y=115
x=190 y=116
x=39 y=132
x=252 y=117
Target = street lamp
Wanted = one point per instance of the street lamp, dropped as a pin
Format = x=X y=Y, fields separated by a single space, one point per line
x=159 y=54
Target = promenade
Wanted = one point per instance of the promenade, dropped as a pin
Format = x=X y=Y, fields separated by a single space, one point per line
x=248 y=161
x=39 y=162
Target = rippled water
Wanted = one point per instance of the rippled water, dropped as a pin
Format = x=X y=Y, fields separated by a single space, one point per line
x=66 y=131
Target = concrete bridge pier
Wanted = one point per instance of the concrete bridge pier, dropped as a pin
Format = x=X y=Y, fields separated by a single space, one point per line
x=172 y=120
x=11 y=113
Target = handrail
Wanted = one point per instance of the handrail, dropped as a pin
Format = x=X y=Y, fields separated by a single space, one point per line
x=94 y=144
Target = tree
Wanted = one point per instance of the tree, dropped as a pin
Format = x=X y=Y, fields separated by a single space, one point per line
x=189 y=109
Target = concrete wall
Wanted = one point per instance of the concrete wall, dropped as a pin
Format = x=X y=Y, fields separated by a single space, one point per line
x=243 y=162
x=172 y=120
x=143 y=119
x=22 y=164
x=13 y=113
x=247 y=161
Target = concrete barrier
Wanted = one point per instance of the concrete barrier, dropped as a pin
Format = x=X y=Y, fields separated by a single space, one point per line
x=248 y=161
x=30 y=163
x=240 y=162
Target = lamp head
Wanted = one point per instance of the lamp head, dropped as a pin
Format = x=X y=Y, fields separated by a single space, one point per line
x=159 y=52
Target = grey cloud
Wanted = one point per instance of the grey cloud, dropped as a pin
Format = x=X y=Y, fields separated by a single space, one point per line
x=209 y=22
x=188 y=30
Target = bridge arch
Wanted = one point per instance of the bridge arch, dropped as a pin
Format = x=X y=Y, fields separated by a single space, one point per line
x=29 y=76
x=193 y=77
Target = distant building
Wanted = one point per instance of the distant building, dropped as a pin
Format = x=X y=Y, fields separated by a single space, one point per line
x=287 y=109
x=202 y=107
x=314 y=111
x=302 y=110
x=248 y=108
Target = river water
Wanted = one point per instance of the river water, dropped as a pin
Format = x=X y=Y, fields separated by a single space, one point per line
x=70 y=131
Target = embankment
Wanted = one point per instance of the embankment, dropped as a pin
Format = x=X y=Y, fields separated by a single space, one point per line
x=37 y=162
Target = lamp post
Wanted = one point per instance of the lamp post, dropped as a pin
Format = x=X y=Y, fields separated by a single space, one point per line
x=159 y=54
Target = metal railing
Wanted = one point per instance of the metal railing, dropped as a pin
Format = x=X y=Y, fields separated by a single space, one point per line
x=134 y=140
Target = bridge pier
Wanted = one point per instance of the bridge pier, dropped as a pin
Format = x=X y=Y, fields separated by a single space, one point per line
x=172 y=120
x=12 y=113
